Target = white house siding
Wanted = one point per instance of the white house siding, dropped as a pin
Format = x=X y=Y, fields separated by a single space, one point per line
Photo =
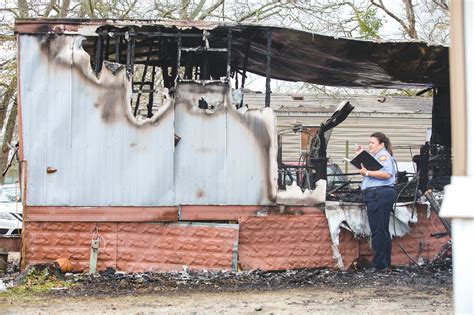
x=402 y=129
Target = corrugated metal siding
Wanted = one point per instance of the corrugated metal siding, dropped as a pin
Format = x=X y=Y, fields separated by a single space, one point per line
x=100 y=161
x=408 y=130
x=222 y=158
x=81 y=125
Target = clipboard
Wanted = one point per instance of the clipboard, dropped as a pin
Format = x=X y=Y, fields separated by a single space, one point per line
x=368 y=160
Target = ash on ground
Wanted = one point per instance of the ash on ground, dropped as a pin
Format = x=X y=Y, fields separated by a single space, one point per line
x=428 y=277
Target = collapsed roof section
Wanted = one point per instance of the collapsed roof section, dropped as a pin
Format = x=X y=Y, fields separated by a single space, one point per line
x=295 y=55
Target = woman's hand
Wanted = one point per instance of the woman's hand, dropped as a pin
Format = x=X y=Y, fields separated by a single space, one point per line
x=363 y=170
x=359 y=148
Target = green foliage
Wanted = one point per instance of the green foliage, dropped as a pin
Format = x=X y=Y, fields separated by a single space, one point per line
x=38 y=280
x=369 y=23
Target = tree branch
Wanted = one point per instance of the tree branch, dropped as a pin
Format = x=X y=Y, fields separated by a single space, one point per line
x=411 y=19
x=63 y=11
x=263 y=9
x=442 y=4
x=209 y=11
x=198 y=9
x=22 y=8
x=391 y=14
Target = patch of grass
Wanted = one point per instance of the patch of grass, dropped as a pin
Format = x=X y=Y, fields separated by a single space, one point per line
x=38 y=280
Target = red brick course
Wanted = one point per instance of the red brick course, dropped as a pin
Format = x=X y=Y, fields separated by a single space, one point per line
x=132 y=246
x=290 y=242
x=419 y=244
x=274 y=242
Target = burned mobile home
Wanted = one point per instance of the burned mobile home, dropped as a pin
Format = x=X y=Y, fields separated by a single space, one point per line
x=138 y=154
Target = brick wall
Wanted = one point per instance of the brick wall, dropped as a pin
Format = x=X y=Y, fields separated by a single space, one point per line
x=418 y=243
x=290 y=242
x=286 y=242
x=132 y=246
x=274 y=242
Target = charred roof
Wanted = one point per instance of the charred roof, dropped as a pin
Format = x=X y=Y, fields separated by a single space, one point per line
x=295 y=55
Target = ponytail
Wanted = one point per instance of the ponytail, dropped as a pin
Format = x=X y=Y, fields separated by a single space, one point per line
x=382 y=138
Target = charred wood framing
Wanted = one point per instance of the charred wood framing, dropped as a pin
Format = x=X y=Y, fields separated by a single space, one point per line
x=145 y=70
x=441 y=116
x=98 y=54
x=339 y=62
x=130 y=51
x=268 y=69
x=150 y=97
x=118 y=42
x=107 y=47
x=318 y=150
x=436 y=207
x=178 y=57
x=229 y=50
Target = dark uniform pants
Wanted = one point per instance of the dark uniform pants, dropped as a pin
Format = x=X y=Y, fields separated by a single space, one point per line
x=379 y=201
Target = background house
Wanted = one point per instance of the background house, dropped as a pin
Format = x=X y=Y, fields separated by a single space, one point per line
x=405 y=119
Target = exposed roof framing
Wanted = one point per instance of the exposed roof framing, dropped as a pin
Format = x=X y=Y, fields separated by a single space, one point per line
x=295 y=55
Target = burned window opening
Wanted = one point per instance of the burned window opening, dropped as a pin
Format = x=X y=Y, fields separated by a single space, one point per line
x=181 y=55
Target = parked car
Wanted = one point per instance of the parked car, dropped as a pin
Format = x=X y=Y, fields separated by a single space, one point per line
x=11 y=212
x=10 y=224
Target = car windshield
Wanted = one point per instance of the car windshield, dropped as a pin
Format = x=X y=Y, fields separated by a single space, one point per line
x=7 y=216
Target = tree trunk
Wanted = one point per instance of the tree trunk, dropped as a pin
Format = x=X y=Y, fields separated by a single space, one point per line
x=7 y=96
x=64 y=9
x=22 y=8
x=7 y=138
x=411 y=19
x=183 y=9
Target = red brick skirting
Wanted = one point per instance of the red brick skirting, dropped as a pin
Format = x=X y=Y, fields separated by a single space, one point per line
x=273 y=242
x=132 y=246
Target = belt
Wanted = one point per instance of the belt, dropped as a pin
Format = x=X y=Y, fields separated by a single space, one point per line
x=378 y=187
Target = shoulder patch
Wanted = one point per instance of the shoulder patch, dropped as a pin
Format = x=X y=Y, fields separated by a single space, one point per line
x=382 y=158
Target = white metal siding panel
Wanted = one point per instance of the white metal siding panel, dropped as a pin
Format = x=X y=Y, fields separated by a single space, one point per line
x=100 y=161
x=58 y=139
x=250 y=174
x=223 y=155
x=200 y=170
x=34 y=88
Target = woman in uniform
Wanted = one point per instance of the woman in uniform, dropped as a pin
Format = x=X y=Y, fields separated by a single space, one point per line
x=378 y=190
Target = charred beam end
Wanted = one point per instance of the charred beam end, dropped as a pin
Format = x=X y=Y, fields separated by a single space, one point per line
x=98 y=54
x=155 y=34
x=118 y=42
x=244 y=66
x=229 y=47
x=268 y=69
x=130 y=51
x=178 y=57
x=203 y=49
x=150 y=97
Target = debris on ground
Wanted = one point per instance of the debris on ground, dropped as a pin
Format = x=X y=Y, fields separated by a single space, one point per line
x=36 y=278
x=436 y=274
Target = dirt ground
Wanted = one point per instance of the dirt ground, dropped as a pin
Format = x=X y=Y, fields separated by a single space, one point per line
x=389 y=300
x=403 y=291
